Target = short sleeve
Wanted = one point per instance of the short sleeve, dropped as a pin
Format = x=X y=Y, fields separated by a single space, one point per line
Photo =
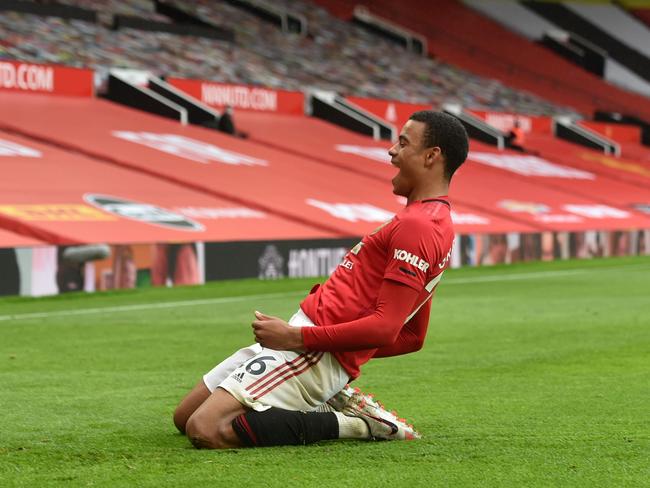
x=412 y=251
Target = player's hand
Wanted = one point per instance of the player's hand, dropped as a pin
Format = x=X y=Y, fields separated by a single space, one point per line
x=275 y=333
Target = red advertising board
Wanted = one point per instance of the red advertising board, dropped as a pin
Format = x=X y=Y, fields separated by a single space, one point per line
x=242 y=97
x=397 y=113
x=504 y=121
x=43 y=78
x=615 y=132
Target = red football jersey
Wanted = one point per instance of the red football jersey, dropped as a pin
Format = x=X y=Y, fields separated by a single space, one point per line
x=413 y=248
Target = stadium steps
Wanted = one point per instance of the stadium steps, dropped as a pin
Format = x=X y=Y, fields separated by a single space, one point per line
x=461 y=36
x=575 y=21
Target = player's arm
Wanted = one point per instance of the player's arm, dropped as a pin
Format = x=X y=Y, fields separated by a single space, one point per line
x=381 y=328
x=411 y=336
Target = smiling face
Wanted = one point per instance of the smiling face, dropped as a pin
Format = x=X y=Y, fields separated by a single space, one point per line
x=412 y=159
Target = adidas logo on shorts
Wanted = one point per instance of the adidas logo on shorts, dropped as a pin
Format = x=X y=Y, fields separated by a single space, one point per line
x=238 y=377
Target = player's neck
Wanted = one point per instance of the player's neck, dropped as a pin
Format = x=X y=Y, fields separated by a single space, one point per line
x=432 y=191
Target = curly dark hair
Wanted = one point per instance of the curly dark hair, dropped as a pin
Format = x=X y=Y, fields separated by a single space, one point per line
x=446 y=132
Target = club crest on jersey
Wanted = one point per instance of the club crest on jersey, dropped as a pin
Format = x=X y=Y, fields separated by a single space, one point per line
x=407 y=257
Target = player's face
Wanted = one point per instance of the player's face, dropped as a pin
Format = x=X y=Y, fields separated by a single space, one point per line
x=408 y=154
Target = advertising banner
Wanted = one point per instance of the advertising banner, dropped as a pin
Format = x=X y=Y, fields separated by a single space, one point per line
x=242 y=97
x=505 y=121
x=48 y=270
x=616 y=132
x=17 y=76
x=397 y=113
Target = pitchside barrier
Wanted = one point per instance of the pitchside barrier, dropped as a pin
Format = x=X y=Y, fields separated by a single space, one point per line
x=37 y=270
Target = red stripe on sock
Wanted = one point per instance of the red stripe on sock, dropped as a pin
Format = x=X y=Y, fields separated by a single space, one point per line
x=244 y=423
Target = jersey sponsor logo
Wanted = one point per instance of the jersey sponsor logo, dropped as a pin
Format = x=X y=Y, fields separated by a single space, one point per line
x=407 y=257
x=530 y=166
x=12 y=149
x=143 y=212
x=188 y=148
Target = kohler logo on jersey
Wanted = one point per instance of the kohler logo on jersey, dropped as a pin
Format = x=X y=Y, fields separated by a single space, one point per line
x=407 y=257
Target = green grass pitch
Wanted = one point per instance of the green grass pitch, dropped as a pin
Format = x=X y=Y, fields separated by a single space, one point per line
x=532 y=375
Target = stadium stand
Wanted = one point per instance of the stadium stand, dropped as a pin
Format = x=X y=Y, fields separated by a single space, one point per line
x=632 y=171
x=617 y=23
x=83 y=44
x=124 y=176
x=537 y=203
x=570 y=175
x=201 y=159
x=369 y=66
x=143 y=9
x=560 y=175
x=620 y=36
x=458 y=35
x=49 y=196
x=591 y=57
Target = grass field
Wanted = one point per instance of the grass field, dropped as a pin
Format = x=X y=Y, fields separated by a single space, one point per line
x=532 y=375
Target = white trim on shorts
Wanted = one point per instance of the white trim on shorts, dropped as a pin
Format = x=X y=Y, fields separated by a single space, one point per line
x=261 y=378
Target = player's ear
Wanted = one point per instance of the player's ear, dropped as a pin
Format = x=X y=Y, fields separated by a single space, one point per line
x=432 y=155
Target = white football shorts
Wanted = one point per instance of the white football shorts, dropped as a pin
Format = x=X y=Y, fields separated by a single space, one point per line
x=262 y=378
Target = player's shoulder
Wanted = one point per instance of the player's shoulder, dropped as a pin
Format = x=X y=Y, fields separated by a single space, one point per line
x=426 y=212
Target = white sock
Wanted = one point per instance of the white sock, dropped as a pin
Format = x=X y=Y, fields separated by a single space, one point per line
x=352 y=427
x=325 y=407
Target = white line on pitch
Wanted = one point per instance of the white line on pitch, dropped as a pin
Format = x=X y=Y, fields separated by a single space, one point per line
x=243 y=298
x=513 y=277
x=147 y=306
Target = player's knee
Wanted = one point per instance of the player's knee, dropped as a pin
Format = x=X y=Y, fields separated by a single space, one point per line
x=207 y=435
x=180 y=418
